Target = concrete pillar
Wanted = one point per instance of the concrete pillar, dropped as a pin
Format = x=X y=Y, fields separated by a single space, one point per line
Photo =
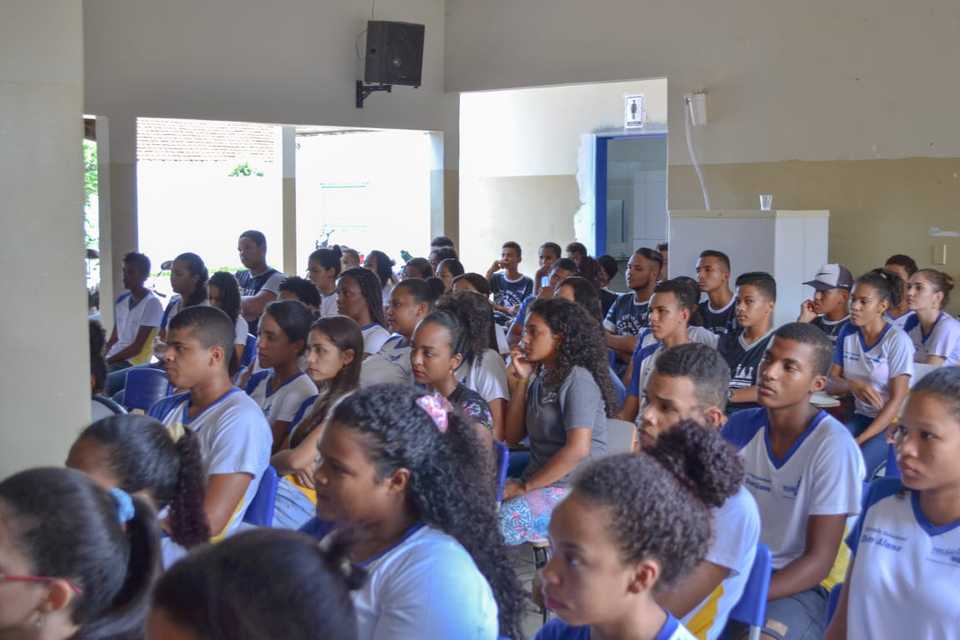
x=451 y=167
x=106 y=237
x=45 y=395
x=288 y=171
x=121 y=191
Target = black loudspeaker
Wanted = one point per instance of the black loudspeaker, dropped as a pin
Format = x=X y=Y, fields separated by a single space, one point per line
x=394 y=53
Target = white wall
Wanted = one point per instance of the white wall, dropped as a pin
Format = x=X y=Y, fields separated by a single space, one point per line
x=45 y=395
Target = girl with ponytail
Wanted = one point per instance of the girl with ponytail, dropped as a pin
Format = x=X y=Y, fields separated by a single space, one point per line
x=136 y=454
x=935 y=333
x=323 y=267
x=76 y=561
x=633 y=525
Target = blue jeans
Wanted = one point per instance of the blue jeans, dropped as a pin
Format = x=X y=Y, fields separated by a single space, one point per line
x=874 y=450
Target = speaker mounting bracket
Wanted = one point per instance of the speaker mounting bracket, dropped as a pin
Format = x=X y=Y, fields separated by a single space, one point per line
x=364 y=90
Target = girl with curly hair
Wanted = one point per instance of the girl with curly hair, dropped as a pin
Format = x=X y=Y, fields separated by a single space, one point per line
x=407 y=475
x=631 y=527
x=560 y=397
x=136 y=454
x=360 y=297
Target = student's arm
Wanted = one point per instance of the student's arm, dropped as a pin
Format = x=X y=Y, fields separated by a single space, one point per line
x=492 y=270
x=280 y=429
x=747 y=394
x=935 y=361
x=112 y=341
x=623 y=345
x=579 y=441
x=824 y=535
x=238 y=352
x=252 y=306
x=631 y=406
x=899 y=387
x=143 y=332
x=301 y=458
x=837 y=384
x=224 y=493
x=693 y=589
x=838 y=624
x=497 y=411
x=514 y=423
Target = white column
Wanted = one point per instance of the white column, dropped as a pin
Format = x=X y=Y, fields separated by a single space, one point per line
x=288 y=170
x=45 y=395
x=121 y=191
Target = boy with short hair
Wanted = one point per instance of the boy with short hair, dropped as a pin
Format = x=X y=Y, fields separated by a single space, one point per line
x=137 y=313
x=630 y=314
x=829 y=309
x=560 y=270
x=509 y=287
x=608 y=271
x=805 y=472
x=576 y=251
x=259 y=283
x=743 y=350
x=689 y=382
x=548 y=253
x=713 y=275
x=233 y=434
x=302 y=290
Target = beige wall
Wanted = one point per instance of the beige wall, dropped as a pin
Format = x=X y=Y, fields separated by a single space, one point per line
x=45 y=395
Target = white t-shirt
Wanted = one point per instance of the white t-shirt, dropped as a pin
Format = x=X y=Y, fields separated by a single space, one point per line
x=487 y=376
x=374 y=337
x=943 y=340
x=233 y=435
x=878 y=364
x=146 y=313
x=906 y=569
x=821 y=475
x=502 y=345
x=328 y=305
x=901 y=322
x=736 y=532
x=283 y=403
x=426 y=587
x=700 y=335
x=390 y=366
x=242 y=329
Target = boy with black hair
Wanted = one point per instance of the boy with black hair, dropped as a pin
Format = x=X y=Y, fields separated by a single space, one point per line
x=744 y=349
x=576 y=251
x=608 y=271
x=689 y=382
x=664 y=250
x=713 y=276
x=630 y=314
x=441 y=241
x=559 y=271
x=233 y=434
x=904 y=266
x=509 y=287
x=805 y=472
x=439 y=254
x=301 y=289
x=829 y=308
x=137 y=314
x=259 y=283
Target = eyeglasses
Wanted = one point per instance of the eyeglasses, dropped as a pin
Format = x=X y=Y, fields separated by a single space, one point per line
x=73 y=587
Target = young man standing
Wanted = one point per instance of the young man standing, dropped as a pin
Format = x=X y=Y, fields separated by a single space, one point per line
x=630 y=314
x=137 y=313
x=743 y=350
x=805 y=472
x=259 y=283
x=509 y=287
x=829 y=309
x=713 y=276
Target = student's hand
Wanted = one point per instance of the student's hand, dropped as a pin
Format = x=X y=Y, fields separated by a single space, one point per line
x=520 y=368
x=867 y=393
x=514 y=310
x=305 y=476
x=807 y=314
x=513 y=489
x=496 y=266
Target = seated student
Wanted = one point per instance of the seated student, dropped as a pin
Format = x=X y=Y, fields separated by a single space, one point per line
x=472 y=282
x=281 y=386
x=548 y=253
x=633 y=526
x=713 y=276
x=447 y=271
x=334 y=356
x=828 y=311
x=873 y=361
x=78 y=561
x=224 y=294
x=379 y=263
x=259 y=283
x=561 y=270
x=630 y=314
x=188 y=279
x=323 y=268
x=560 y=397
x=100 y=407
x=303 y=291
x=137 y=314
x=136 y=454
x=359 y=297
x=209 y=594
x=509 y=287
x=350 y=259
x=439 y=343
x=904 y=267
x=417 y=268
x=663 y=249
x=234 y=435
x=903 y=573
x=589 y=269
x=689 y=382
x=935 y=333
x=743 y=349
x=436 y=286
x=441 y=241
x=608 y=271
x=805 y=472
x=410 y=303
x=576 y=251
x=408 y=474
x=439 y=254
x=482 y=369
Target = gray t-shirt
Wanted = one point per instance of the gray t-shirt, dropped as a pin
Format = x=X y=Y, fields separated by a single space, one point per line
x=550 y=413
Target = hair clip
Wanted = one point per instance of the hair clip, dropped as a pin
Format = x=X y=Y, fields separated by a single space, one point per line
x=437 y=407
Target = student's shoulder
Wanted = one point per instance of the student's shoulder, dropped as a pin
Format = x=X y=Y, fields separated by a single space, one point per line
x=434 y=551
x=831 y=438
x=557 y=629
x=238 y=407
x=163 y=407
x=257 y=379
x=881 y=489
x=744 y=425
x=123 y=296
x=848 y=330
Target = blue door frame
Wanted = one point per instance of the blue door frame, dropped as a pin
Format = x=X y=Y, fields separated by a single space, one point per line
x=600 y=185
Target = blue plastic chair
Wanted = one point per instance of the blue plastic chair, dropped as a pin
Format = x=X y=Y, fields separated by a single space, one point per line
x=503 y=461
x=109 y=403
x=145 y=386
x=249 y=351
x=752 y=607
x=260 y=511
x=832 y=601
x=891 y=470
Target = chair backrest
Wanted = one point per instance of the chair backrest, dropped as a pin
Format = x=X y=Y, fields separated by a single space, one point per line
x=618 y=388
x=249 y=350
x=109 y=403
x=503 y=461
x=621 y=436
x=260 y=511
x=145 y=386
x=751 y=609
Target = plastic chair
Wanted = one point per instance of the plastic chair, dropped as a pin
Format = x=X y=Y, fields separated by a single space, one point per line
x=110 y=404
x=621 y=436
x=260 y=511
x=618 y=388
x=541 y=556
x=145 y=386
x=751 y=609
x=249 y=351
x=832 y=601
x=503 y=461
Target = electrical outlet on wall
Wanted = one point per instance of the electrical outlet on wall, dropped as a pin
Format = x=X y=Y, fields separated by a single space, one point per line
x=940 y=254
